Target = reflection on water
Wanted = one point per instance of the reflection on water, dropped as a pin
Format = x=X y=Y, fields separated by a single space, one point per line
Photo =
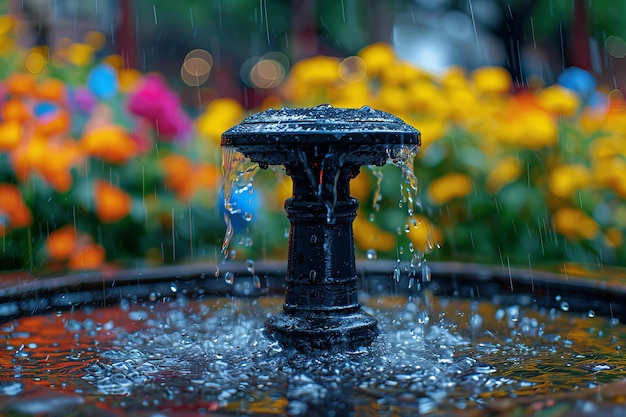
x=212 y=356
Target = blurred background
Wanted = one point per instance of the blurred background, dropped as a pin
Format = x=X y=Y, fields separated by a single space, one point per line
x=111 y=114
x=532 y=39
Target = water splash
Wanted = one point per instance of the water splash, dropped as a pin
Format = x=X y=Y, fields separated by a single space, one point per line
x=238 y=173
x=404 y=158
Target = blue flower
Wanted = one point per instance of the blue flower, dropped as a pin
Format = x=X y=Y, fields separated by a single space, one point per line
x=102 y=81
x=579 y=81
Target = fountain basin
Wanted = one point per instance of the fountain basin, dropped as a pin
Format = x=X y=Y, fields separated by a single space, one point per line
x=177 y=339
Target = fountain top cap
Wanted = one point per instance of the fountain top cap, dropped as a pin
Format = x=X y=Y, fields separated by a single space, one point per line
x=321 y=124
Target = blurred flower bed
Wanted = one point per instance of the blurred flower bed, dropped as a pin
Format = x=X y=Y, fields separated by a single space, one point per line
x=100 y=164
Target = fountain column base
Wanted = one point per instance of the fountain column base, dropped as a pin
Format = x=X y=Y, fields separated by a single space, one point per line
x=319 y=332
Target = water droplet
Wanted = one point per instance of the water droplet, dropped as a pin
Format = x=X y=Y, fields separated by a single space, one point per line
x=250 y=266
x=426 y=276
x=313 y=240
x=557 y=298
x=257 y=281
x=371 y=254
x=396 y=273
x=401 y=250
x=312 y=275
x=591 y=314
x=229 y=278
x=565 y=306
x=173 y=287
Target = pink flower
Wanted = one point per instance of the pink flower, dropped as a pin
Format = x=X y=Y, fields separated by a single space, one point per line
x=154 y=101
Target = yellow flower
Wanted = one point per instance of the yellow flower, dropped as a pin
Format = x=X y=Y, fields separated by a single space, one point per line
x=566 y=179
x=505 y=171
x=611 y=173
x=427 y=98
x=219 y=116
x=424 y=235
x=401 y=72
x=608 y=147
x=532 y=129
x=80 y=54
x=613 y=237
x=393 y=99
x=574 y=224
x=448 y=187
x=377 y=57
x=491 y=80
x=351 y=95
x=540 y=130
x=559 y=100
x=431 y=128
x=317 y=71
x=368 y=236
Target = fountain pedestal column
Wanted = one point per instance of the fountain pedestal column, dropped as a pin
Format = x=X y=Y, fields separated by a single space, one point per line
x=322 y=148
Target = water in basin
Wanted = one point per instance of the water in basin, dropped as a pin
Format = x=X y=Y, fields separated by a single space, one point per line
x=435 y=356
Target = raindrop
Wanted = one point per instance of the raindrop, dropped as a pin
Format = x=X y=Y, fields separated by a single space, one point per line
x=426 y=273
x=371 y=254
x=229 y=278
x=173 y=287
x=565 y=306
x=396 y=273
x=257 y=281
x=591 y=314
x=250 y=266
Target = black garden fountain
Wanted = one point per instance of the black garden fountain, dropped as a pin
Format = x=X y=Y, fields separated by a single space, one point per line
x=322 y=149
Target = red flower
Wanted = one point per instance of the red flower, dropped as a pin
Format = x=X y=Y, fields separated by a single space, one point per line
x=154 y=101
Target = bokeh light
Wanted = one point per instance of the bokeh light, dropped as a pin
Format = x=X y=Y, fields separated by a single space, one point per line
x=196 y=67
x=35 y=61
x=266 y=72
x=615 y=46
x=353 y=69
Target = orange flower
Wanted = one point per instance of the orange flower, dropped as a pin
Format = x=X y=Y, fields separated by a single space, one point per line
x=20 y=84
x=52 y=89
x=61 y=243
x=90 y=256
x=178 y=170
x=10 y=135
x=57 y=170
x=53 y=125
x=111 y=143
x=13 y=209
x=15 y=109
x=112 y=203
